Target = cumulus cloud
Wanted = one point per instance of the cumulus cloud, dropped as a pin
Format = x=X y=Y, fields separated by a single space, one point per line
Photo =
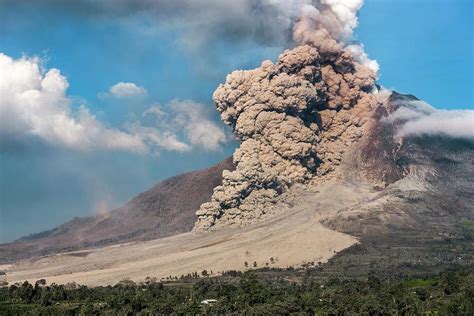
x=417 y=118
x=161 y=138
x=194 y=120
x=126 y=90
x=33 y=102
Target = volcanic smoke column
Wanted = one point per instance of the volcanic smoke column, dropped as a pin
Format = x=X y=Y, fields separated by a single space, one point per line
x=280 y=113
x=296 y=118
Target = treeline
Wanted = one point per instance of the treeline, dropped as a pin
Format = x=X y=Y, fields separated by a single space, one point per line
x=449 y=293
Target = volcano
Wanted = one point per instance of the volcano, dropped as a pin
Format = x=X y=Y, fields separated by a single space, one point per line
x=403 y=205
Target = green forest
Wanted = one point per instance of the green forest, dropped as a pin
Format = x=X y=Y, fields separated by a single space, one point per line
x=448 y=293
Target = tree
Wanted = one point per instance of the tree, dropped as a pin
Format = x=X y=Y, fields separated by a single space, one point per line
x=41 y=282
x=26 y=292
x=45 y=298
x=450 y=282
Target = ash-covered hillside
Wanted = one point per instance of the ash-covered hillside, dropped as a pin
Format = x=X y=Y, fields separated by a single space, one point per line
x=421 y=220
x=166 y=209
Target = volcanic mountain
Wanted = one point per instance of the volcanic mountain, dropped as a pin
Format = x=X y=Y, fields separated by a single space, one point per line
x=332 y=172
x=403 y=205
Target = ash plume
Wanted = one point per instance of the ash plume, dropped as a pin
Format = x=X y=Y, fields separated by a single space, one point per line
x=202 y=23
x=295 y=118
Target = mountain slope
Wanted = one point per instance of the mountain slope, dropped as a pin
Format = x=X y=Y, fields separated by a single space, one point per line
x=168 y=208
x=421 y=221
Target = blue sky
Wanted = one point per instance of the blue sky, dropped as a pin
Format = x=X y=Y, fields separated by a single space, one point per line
x=423 y=47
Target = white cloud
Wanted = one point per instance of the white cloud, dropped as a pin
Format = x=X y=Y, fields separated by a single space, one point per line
x=156 y=111
x=33 y=101
x=193 y=119
x=126 y=90
x=162 y=139
x=357 y=50
x=420 y=118
x=455 y=123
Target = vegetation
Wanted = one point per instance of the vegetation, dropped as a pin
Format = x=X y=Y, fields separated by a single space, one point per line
x=468 y=223
x=449 y=293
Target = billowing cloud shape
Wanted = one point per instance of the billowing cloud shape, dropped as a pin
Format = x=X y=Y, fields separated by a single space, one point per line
x=327 y=25
x=295 y=120
x=126 y=90
x=163 y=138
x=193 y=119
x=33 y=102
x=357 y=50
x=199 y=24
x=417 y=118
x=199 y=21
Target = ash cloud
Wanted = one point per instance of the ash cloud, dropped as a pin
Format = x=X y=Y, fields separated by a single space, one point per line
x=295 y=118
x=418 y=118
x=202 y=23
